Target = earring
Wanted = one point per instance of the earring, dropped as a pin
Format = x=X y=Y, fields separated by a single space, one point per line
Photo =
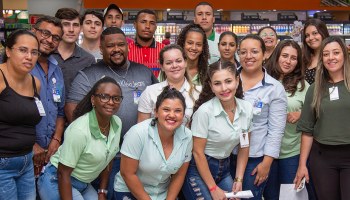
x=213 y=91
x=93 y=105
x=237 y=88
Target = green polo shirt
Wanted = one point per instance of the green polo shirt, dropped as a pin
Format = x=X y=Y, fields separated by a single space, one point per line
x=211 y=121
x=292 y=138
x=86 y=149
x=142 y=143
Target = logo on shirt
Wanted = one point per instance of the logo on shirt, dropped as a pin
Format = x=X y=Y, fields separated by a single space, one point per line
x=124 y=83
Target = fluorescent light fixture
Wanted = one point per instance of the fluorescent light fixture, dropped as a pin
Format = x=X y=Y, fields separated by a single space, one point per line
x=168 y=9
x=274 y=9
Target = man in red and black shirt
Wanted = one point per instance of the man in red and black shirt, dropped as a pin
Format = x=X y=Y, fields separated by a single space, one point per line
x=145 y=49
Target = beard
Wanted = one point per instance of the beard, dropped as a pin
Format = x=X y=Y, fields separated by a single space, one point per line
x=116 y=65
x=145 y=39
x=45 y=53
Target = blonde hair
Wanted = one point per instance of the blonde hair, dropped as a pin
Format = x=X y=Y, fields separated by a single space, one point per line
x=322 y=76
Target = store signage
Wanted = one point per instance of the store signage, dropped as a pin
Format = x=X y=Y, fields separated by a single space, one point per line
x=33 y=18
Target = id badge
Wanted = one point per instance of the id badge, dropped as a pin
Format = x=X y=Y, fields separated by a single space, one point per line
x=244 y=139
x=333 y=93
x=137 y=95
x=56 y=95
x=40 y=107
x=257 y=107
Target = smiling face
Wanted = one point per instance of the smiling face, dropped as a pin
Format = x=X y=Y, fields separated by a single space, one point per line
x=269 y=37
x=92 y=27
x=47 y=46
x=333 y=58
x=114 y=49
x=174 y=65
x=106 y=110
x=193 y=45
x=253 y=58
x=114 y=18
x=204 y=16
x=145 y=25
x=228 y=47
x=288 y=59
x=21 y=62
x=170 y=114
x=313 y=38
x=224 y=84
x=71 y=30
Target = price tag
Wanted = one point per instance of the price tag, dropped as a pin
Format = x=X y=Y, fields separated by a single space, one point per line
x=40 y=107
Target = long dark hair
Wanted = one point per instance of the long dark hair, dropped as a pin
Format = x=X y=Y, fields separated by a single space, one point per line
x=290 y=81
x=321 y=29
x=12 y=40
x=204 y=56
x=168 y=93
x=85 y=104
x=222 y=35
x=207 y=92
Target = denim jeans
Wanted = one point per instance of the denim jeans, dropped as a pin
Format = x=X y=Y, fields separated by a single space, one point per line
x=248 y=180
x=48 y=186
x=96 y=183
x=17 y=180
x=195 y=188
x=123 y=196
x=282 y=172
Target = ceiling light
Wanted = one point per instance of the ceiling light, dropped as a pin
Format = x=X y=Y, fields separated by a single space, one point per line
x=168 y=9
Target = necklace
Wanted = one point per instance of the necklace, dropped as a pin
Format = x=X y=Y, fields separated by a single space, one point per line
x=104 y=129
x=233 y=111
x=127 y=69
x=166 y=143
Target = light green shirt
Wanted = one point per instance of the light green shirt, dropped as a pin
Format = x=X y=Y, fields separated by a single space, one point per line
x=142 y=143
x=194 y=79
x=292 y=138
x=214 y=52
x=211 y=121
x=86 y=149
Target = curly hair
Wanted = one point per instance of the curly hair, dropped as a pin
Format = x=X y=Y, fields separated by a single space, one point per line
x=85 y=104
x=207 y=92
x=204 y=56
x=168 y=93
x=290 y=81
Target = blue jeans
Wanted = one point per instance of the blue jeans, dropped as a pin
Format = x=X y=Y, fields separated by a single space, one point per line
x=48 y=186
x=248 y=180
x=17 y=180
x=195 y=188
x=282 y=171
x=123 y=196
x=96 y=183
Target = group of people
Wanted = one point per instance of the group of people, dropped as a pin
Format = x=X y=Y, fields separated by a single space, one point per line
x=115 y=118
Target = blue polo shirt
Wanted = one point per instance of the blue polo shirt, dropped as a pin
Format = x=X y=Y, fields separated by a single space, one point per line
x=46 y=128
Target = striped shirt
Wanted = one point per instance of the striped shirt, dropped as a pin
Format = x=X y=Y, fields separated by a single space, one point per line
x=146 y=55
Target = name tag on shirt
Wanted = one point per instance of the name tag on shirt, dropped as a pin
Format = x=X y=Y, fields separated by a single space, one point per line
x=333 y=93
x=244 y=139
x=40 y=107
x=137 y=95
x=257 y=107
x=56 y=95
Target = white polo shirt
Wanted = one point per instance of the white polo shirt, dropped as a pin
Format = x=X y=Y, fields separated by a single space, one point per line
x=148 y=98
x=211 y=121
x=142 y=143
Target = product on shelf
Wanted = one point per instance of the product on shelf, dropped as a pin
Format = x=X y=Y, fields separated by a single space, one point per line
x=281 y=29
x=241 y=29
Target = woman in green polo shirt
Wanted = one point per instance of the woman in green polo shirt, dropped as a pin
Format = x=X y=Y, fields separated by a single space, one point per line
x=324 y=123
x=90 y=144
x=285 y=64
x=156 y=153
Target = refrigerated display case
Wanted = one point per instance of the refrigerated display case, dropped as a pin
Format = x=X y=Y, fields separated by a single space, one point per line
x=256 y=26
x=335 y=28
x=220 y=28
x=241 y=29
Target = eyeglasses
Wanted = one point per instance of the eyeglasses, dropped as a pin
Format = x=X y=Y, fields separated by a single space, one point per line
x=263 y=35
x=46 y=34
x=244 y=53
x=106 y=97
x=25 y=51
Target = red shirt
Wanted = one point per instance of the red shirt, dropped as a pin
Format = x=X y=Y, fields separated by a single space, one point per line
x=166 y=42
x=146 y=55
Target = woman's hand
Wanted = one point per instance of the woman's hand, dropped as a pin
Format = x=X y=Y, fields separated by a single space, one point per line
x=237 y=186
x=293 y=117
x=262 y=171
x=218 y=194
x=301 y=173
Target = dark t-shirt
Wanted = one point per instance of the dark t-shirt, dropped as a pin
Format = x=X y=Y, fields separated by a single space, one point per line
x=332 y=127
x=138 y=75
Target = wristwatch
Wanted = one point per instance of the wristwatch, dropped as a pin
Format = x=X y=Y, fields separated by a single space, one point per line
x=102 y=191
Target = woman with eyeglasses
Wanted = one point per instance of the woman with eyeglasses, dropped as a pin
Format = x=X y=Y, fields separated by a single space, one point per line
x=20 y=112
x=269 y=35
x=269 y=101
x=173 y=61
x=315 y=31
x=90 y=143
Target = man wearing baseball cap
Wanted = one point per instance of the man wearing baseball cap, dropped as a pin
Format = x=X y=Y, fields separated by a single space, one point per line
x=113 y=17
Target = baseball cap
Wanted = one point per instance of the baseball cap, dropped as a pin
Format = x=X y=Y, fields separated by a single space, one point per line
x=112 y=6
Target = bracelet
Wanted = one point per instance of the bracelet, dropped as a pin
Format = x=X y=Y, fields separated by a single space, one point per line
x=102 y=191
x=214 y=188
x=237 y=179
x=55 y=138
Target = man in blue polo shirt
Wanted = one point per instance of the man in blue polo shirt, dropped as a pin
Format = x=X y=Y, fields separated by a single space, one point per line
x=49 y=131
